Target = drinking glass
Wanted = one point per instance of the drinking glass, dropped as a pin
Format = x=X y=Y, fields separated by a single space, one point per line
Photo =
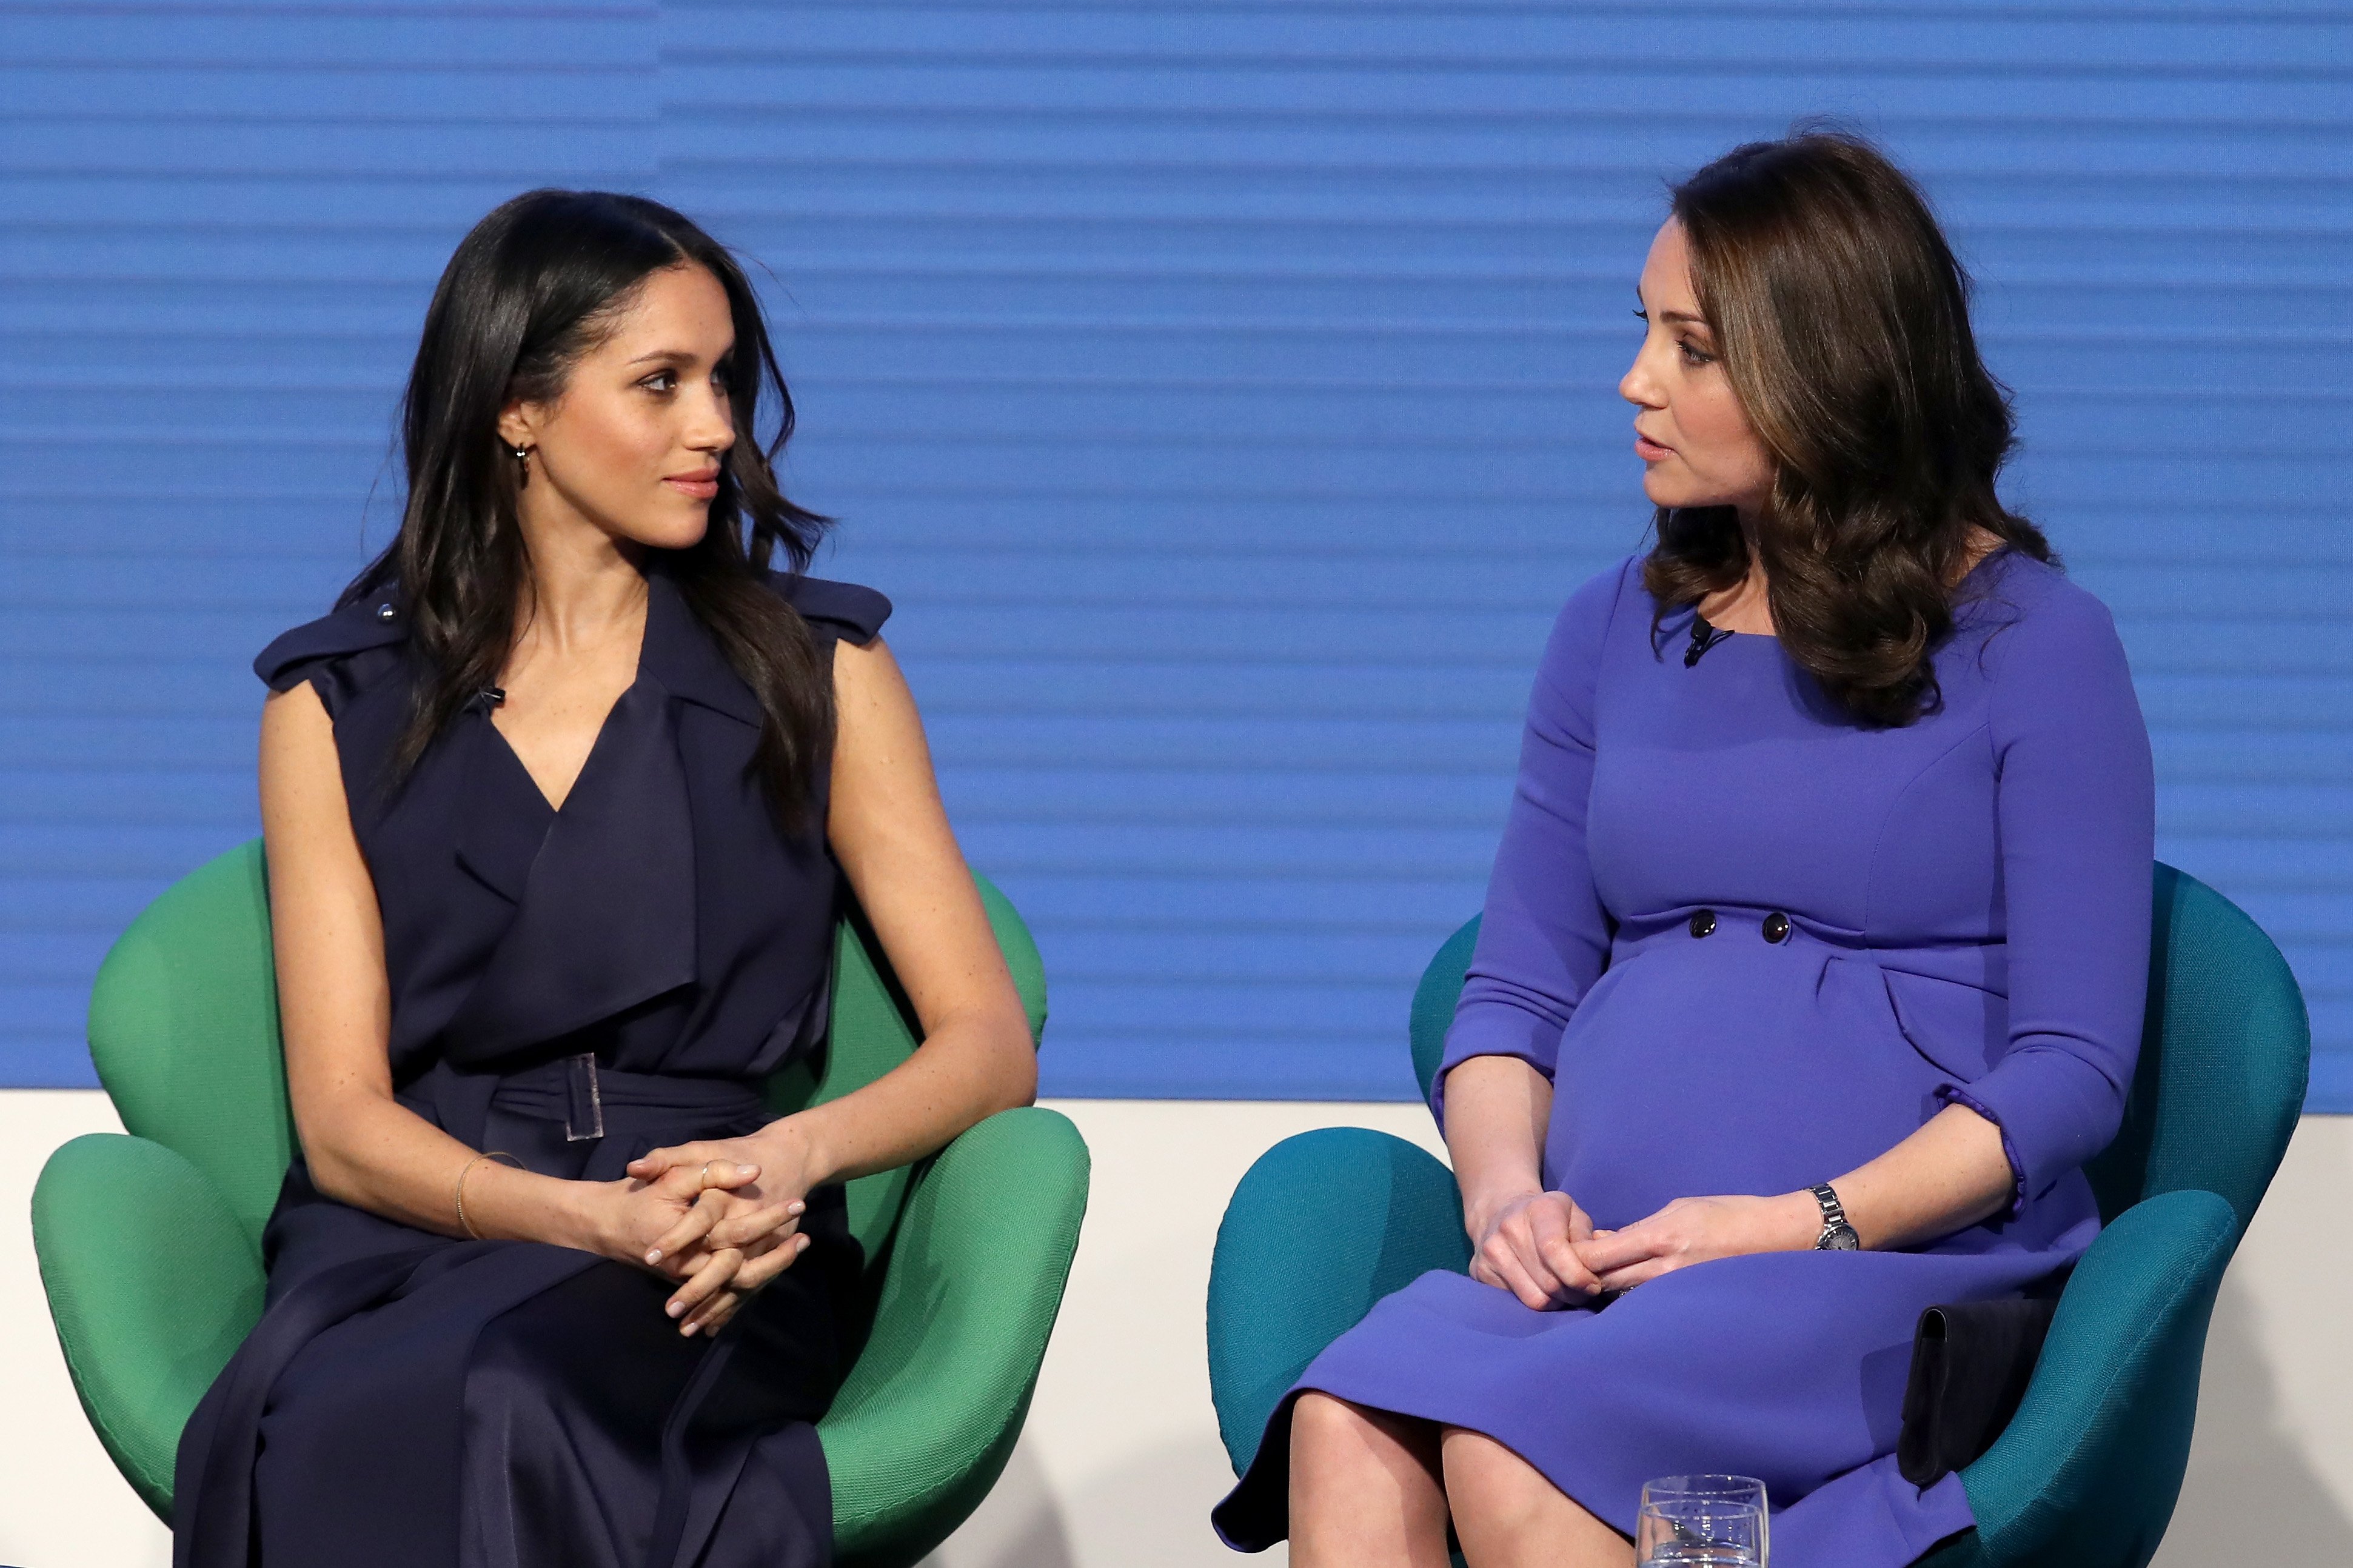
x=1701 y=1522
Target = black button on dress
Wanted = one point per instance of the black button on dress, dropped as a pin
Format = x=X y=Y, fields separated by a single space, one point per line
x=408 y=1399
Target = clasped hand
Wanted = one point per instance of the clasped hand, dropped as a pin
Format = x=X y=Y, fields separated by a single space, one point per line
x=1544 y=1249
x=724 y=1217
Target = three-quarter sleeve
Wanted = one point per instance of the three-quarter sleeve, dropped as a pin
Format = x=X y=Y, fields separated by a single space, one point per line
x=2075 y=810
x=1544 y=938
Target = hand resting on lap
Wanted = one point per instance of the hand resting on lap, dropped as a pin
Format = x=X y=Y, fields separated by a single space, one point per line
x=1544 y=1249
x=730 y=1231
x=1696 y=1230
x=1533 y=1245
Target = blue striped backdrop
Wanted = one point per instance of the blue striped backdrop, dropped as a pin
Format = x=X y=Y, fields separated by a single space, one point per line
x=1224 y=391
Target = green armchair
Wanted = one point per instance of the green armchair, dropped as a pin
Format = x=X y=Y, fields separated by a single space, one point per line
x=150 y=1244
x=2086 y=1474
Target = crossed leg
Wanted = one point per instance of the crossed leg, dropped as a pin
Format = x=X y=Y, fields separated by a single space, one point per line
x=1373 y=1490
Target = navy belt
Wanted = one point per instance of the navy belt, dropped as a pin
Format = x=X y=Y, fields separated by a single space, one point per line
x=575 y=1091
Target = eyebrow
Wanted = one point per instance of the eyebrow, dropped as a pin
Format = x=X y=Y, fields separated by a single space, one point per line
x=677 y=356
x=1668 y=315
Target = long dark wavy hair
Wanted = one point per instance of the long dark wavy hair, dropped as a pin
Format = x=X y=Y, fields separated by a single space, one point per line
x=1842 y=321
x=536 y=285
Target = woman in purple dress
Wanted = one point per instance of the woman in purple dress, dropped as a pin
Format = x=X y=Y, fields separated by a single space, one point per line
x=558 y=803
x=1814 y=955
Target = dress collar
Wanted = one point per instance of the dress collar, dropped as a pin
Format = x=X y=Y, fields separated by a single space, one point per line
x=605 y=888
x=605 y=917
x=681 y=654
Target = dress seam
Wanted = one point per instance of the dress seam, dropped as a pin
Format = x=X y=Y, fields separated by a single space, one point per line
x=1879 y=838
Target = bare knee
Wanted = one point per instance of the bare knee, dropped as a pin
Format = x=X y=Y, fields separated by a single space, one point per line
x=1332 y=1441
x=1488 y=1483
x=1507 y=1512
x=1321 y=1425
x=1314 y=1412
x=1364 y=1486
x=1325 y=1451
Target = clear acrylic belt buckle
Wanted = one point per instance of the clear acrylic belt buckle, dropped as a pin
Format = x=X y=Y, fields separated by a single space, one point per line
x=583 y=1116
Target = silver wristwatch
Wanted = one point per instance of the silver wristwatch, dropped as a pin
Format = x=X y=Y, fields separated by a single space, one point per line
x=1837 y=1235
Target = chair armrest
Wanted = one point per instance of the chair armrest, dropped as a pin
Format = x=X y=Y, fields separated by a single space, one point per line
x=1325 y=1225
x=928 y=1415
x=152 y=1284
x=2087 y=1472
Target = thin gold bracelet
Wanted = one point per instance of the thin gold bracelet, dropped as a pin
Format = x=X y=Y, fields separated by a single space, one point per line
x=466 y=1170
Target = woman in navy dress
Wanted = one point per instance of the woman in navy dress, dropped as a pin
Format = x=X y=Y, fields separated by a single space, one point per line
x=1814 y=954
x=557 y=803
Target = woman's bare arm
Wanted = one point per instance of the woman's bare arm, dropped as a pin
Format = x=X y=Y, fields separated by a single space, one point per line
x=891 y=833
x=1525 y=1239
x=335 y=1005
x=1944 y=1176
x=1497 y=1110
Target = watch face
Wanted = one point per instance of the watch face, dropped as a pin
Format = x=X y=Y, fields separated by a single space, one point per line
x=1841 y=1238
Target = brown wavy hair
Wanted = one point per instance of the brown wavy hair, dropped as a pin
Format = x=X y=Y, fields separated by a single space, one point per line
x=1843 y=319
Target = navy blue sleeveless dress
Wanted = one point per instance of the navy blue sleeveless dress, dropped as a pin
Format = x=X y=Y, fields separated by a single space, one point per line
x=576 y=986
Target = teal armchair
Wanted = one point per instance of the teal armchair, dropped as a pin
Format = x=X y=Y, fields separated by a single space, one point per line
x=2085 y=1475
x=150 y=1244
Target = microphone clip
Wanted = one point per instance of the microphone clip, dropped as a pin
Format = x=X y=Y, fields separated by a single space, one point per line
x=1702 y=638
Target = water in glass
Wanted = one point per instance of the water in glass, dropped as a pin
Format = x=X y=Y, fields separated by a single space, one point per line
x=1703 y=1522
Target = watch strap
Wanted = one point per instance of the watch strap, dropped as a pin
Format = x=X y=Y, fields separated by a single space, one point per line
x=1834 y=1214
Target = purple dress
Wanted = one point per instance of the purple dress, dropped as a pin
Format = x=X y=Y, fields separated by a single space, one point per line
x=1964 y=908
x=410 y=1400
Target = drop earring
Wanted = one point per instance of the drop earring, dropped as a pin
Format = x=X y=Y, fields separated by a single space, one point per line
x=522 y=456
